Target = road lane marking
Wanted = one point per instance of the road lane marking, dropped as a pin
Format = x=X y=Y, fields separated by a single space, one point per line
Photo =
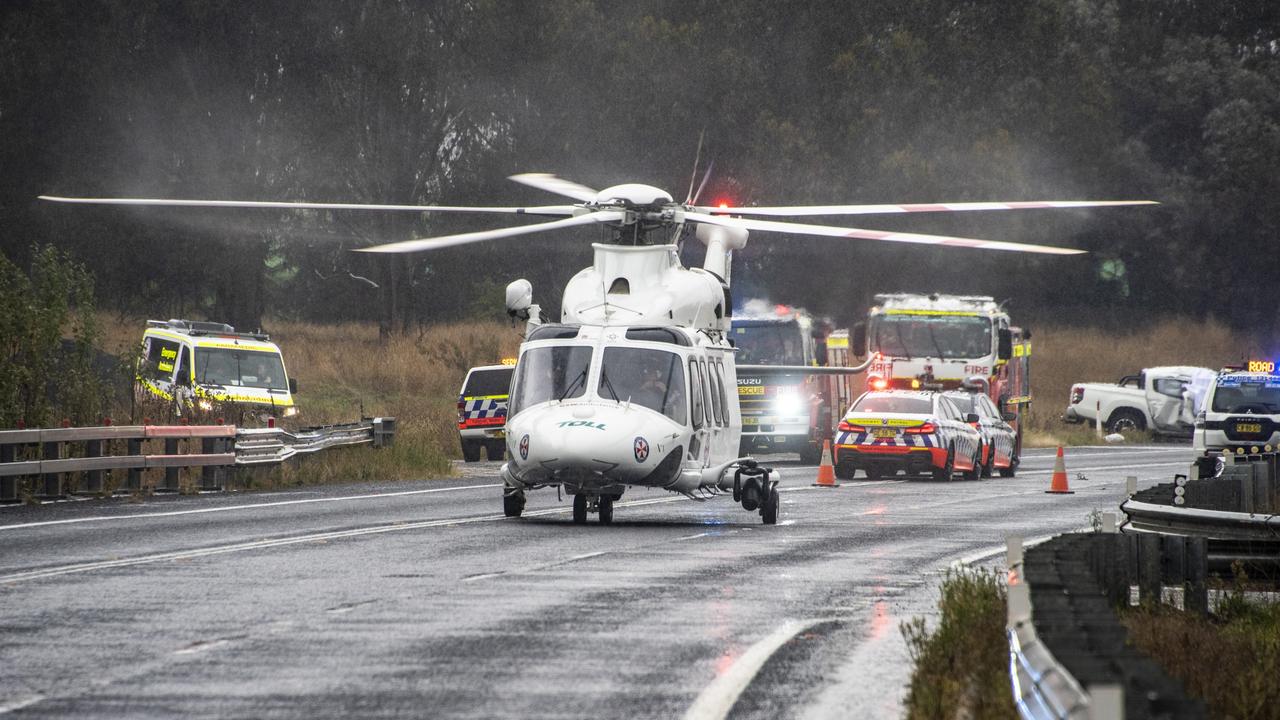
x=718 y=698
x=282 y=542
x=252 y=506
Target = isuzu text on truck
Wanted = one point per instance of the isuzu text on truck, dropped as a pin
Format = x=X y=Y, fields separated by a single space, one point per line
x=941 y=342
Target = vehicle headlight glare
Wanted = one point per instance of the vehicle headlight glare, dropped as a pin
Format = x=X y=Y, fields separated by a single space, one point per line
x=787 y=404
x=291 y=411
x=205 y=405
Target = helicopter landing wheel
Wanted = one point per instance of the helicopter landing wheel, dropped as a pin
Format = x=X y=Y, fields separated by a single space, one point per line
x=769 y=508
x=579 y=509
x=605 y=508
x=513 y=504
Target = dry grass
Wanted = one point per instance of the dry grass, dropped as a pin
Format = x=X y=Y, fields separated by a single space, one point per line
x=1063 y=356
x=346 y=371
x=1231 y=661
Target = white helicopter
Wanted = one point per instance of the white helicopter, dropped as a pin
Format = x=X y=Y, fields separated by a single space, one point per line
x=636 y=385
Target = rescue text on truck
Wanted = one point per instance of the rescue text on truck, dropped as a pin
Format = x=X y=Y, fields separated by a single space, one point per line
x=943 y=342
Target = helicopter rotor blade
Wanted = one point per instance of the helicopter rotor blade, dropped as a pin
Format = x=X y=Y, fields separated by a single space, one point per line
x=693 y=176
x=904 y=237
x=554 y=210
x=802 y=210
x=444 y=241
x=557 y=185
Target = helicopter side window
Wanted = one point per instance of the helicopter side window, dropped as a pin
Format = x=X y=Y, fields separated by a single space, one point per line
x=696 y=384
x=550 y=373
x=717 y=399
x=649 y=378
x=709 y=404
x=724 y=400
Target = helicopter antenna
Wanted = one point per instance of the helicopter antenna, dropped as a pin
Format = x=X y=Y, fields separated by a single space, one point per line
x=697 y=156
x=710 y=166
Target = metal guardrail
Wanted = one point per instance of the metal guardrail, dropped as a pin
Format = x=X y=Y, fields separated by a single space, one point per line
x=1074 y=661
x=1148 y=517
x=1042 y=687
x=264 y=446
x=72 y=460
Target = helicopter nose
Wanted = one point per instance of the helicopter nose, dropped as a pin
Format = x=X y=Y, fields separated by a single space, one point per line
x=616 y=441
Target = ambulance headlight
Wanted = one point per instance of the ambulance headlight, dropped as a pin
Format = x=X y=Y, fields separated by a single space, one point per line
x=788 y=404
x=291 y=411
x=204 y=405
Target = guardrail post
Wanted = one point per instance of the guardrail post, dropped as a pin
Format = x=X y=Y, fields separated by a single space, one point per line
x=93 y=478
x=1173 y=561
x=52 y=481
x=1149 y=569
x=171 y=473
x=134 y=480
x=384 y=431
x=8 y=483
x=1130 y=485
x=1117 y=572
x=1196 y=588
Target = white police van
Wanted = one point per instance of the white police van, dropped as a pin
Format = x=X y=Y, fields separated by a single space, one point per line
x=1241 y=410
x=482 y=411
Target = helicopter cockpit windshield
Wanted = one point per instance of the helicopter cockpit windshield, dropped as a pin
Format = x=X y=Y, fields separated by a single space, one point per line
x=557 y=372
x=650 y=378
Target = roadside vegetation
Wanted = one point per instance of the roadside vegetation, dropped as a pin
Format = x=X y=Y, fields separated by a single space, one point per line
x=1230 y=660
x=961 y=666
x=1062 y=356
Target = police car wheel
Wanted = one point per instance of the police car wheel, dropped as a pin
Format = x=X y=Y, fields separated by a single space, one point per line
x=471 y=450
x=947 y=471
x=976 y=471
x=810 y=455
x=496 y=450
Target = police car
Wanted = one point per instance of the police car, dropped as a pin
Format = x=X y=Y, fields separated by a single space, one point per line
x=1241 y=410
x=913 y=431
x=999 y=439
x=482 y=411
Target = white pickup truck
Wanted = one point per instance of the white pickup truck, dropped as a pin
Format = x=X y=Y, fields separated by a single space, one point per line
x=1164 y=400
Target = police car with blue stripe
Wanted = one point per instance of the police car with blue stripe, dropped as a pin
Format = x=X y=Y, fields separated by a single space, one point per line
x=482 y=411
x=885 y=432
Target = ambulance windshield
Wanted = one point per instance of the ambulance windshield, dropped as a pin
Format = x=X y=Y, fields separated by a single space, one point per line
x=931 y=336
x=240 y=368
x=765 y=342
x=557 y=372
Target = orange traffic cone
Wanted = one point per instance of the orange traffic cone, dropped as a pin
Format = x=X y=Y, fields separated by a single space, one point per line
x=826 y=470
x=1059 y=484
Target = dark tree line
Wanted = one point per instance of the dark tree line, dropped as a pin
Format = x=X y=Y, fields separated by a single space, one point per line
x=435 y=102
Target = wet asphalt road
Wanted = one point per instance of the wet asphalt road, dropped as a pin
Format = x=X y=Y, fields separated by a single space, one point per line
x=419 y=599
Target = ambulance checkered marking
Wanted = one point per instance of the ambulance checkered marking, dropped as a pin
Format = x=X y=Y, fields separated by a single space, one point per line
x=851 y=439
x=484 y=407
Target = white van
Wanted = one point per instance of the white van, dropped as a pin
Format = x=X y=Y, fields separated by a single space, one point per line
x=482 y=411
x=1242 y=410
x=195 y=364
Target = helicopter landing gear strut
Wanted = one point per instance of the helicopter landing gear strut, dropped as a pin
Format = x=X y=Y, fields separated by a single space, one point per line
x=512 y=503
x=754 y=487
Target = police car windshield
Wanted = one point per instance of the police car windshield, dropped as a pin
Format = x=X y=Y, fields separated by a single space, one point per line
x=649 y=378
x=938 y=336
x=550 y=373
x=240 y=368
x=488 y=382
x=894 y=404
x=768 y=343
x=1256 y=397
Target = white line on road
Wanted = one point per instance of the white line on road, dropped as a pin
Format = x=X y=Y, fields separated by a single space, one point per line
x=252 y=506
x=718 y=698
x=1094 y=468
x=281 y=542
